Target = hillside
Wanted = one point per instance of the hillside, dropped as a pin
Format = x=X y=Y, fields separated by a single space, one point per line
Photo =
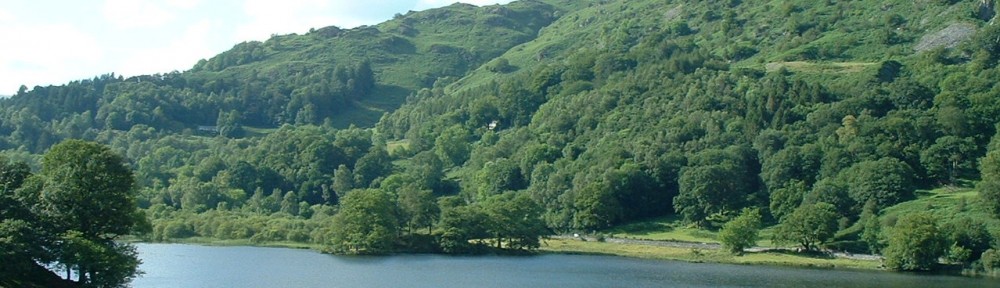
x=343 y=76
x=497 y=124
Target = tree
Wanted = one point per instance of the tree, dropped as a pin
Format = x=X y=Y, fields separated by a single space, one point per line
x=515 y=219
x=343 y=180
x=989 y=188
x=785 y=199
x=808 y=226
x=418 y=207
x=290 y=203
x=706 y=190
x=373 y=165
x=888 y=181
x=229 y=124
x=741 y=232
x=871 y=232
x=459 y=226
x=949 y=158
x=87 y=195
x=498 y=176
x=596 y=207
x=968 y=238
x=452 y=146
x=22 y=237
x=716 y=182
x=915 y=243
x=365 y=224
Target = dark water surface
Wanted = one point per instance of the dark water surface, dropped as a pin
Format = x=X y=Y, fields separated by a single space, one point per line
x=177 y=265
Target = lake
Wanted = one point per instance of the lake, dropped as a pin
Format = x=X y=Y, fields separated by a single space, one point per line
x=178 y=265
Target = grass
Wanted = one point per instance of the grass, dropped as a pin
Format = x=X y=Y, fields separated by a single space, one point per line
x=671 y=228
x=697 y=255
x=258 y=131
x=947 y=204
x=821 y=67
x=397 y=146
x=664 y=229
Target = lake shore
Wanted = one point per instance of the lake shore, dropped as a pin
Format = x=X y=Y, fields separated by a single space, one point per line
x=698 y=254
x=688 y=252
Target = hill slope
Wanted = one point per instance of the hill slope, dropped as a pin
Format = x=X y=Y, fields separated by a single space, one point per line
x=346 y=76
x=599 y=113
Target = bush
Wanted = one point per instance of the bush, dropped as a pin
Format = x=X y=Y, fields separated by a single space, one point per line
x=990 y=260
x=741 y=232
x=914 y=244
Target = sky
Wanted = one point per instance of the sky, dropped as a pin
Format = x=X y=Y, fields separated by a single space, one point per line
x=51 y=42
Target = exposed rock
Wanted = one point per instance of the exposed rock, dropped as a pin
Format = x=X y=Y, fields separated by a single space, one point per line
x=673 y=13
x=949 y=37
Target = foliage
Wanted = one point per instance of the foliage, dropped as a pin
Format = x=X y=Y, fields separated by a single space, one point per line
x=365 y=224
x=599 y=113
x=915 y=243
x=715 y=181
x=741 y=232
x=871 y=232
x=989 y=188
x=887 y=181
x=968 y=239
x=509 y=221
x=991 y=259
x=808 y=226
x=70 y=214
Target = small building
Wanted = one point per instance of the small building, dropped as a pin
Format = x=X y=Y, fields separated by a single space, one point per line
x=210 y=129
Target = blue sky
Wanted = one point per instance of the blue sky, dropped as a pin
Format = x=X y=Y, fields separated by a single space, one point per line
x=53 y=42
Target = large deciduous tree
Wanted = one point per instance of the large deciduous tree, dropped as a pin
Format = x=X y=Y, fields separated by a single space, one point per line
x=808 y=226
x=887 y=181
x=88 y=196
x=71 y=213
x=717 y=181
x=915 y=243
x=366 y=223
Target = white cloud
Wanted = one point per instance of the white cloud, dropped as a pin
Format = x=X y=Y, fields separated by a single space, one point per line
x=182 y=52
x=45 y=54
x=135 y=14
x=6 y=16
x=184 y=4
x=43 y=47
x=291 y=16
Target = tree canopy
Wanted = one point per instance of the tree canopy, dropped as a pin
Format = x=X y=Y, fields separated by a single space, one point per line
x=78 y=205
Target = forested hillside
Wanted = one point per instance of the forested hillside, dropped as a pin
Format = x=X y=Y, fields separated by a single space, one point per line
x=502 y=123
x=341 y=76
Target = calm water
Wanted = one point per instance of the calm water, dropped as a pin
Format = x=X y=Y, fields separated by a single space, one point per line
x=176 y=265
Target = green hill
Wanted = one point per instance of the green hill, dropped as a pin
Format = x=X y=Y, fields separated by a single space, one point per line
x=569 y=115
x=345 y=76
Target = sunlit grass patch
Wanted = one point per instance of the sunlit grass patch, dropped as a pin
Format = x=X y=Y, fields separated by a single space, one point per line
x=783 y=258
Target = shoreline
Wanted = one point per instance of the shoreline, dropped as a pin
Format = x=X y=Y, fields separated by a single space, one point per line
x=705 y=255
x=574 y=246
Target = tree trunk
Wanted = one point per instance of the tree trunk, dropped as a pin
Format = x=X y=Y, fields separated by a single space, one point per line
x=83 y=275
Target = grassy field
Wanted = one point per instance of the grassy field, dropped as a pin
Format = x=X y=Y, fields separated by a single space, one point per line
x=673 y=229
x=699 y=255
x=947 y=204
x=813 y=67
x=397 y=146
